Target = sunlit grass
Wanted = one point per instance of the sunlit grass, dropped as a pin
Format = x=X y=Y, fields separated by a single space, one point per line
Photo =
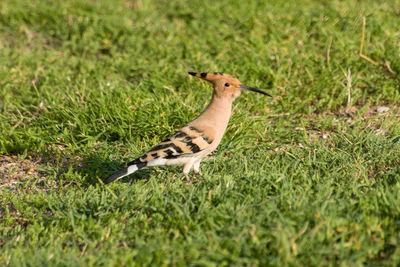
x=309 y=177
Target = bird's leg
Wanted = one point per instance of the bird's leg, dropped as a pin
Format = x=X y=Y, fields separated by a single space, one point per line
x=196 y=169
x=186 y=170
x=188 y=178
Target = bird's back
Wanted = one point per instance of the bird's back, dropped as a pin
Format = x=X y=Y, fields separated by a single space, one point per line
x=185 y=143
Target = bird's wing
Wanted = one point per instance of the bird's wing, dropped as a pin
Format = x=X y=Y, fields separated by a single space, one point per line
x=186 y=142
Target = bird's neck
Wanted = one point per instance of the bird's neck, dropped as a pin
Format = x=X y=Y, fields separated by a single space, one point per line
x=218 y=111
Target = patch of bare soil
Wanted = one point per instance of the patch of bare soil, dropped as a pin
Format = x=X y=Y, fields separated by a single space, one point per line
x=14 y=170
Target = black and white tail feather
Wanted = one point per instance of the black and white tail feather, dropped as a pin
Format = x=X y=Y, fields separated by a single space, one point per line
x=132 y=167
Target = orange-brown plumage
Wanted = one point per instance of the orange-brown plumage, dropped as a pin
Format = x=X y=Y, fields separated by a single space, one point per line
x=190 y=144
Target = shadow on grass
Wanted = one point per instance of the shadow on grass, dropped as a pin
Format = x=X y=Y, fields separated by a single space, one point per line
x=92 y=169
x=89 y=170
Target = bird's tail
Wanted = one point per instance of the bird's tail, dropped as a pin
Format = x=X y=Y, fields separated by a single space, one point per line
x=132 y=167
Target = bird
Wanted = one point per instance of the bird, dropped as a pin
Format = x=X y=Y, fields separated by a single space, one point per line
x=198 y=138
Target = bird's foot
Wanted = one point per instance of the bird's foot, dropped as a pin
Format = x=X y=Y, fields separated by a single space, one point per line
x=191 y=181
x=199 y=175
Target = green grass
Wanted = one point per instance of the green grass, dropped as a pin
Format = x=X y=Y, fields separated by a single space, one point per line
x=298 y=180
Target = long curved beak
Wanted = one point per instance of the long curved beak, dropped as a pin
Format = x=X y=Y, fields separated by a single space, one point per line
x=245 y=87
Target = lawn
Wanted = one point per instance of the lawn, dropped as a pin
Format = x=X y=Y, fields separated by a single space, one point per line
x=310 y=177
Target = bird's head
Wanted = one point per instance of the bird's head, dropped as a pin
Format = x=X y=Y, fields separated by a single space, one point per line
x=225 y=85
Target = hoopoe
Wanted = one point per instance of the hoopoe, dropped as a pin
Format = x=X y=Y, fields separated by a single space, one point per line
x=194 y=141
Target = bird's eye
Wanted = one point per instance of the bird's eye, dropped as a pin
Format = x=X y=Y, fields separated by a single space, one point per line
x=227 y=85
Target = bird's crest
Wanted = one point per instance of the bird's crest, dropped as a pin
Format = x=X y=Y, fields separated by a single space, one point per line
x=214 y=77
